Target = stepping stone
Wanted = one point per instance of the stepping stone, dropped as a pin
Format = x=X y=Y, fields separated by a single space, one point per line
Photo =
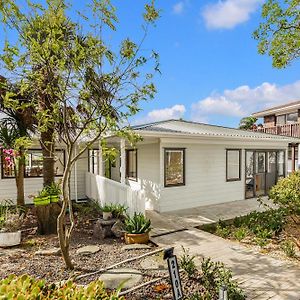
x=48 y=252
x=125 y=278
x=154 y=263
x=135 y=247
x=87 y=250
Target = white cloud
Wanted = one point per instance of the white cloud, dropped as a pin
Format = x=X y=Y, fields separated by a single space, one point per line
x=178 y=8
x=243 y=100
x=229 y=13
x=175 y=112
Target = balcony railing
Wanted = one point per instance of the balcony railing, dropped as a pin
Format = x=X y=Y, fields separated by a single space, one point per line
x=292 y=130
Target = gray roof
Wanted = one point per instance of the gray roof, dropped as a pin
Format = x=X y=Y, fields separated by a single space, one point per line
x=182 y=127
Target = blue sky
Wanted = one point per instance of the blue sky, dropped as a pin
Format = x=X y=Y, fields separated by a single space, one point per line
x=211 y=71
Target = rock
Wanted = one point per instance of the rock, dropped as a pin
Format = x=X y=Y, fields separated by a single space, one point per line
x=154 y=263
x=125 y=278
x=135 y=247
x=118 y=229
x=48 y=252
x=98 y=231
x=87 y=250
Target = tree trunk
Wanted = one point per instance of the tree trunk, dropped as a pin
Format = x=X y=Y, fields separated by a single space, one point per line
x=19 y=175
x=47 y=218
x=47 y=144
x=64 y=233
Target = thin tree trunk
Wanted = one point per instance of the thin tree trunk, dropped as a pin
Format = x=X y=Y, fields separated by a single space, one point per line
x=64 y=233
x=19 y=176
x=47 y=144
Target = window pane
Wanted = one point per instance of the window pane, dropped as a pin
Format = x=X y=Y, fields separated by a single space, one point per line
x=292 y=117
x=93 y=161
x=261 y=162
x=249 y=163
x=34 y=163
x=131 y=166
x=233 y=164
x=280 y=163
x=280 y=119
x=174 y=167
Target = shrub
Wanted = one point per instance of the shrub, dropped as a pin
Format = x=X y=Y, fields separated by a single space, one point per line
x=288 y=247
x=215 y=275
x=223 y=232
x=187 y=262
x=240 y=233
x=137 y=224
x=286 y=193
x=28 y=288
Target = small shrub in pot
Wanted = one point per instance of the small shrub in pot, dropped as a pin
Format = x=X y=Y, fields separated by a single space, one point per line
x=137 y=229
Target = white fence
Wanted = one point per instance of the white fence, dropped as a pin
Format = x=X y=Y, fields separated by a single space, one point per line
x=105 y=190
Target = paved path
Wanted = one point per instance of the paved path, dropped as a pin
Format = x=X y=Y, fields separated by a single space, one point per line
x=261 y=276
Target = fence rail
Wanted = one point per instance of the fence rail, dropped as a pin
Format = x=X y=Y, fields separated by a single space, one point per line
x=105 y=191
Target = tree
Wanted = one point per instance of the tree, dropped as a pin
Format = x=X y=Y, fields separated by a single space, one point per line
x=247 y=123
x=90 y=88
x=279 y=34
x=15 y=128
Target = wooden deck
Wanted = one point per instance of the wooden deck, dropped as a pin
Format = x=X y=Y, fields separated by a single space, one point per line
x=292 y=130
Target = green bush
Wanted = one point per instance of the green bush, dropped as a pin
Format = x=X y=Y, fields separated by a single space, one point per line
x=288 y=247
x=223 y=232
x=286 y=193
x=240 y=233
x=187 y=263
x=137 y=224
x=214 y=276
x=28 y=288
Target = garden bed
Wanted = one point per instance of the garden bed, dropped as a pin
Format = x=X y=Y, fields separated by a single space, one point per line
x=270 y=232
x=25 y=259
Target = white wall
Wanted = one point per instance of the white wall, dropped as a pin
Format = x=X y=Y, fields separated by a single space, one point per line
x=206 y=174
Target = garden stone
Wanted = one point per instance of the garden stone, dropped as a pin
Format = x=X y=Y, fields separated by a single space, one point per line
x=118 y=229
x=87 y=250
x=154 y=263
x=135 y=247
x=48 y=252
x=125 y=278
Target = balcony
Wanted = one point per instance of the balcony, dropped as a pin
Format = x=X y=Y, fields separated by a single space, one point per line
x=292 y=130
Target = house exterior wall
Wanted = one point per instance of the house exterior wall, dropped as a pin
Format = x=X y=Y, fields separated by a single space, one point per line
x=33 y=185
x=205 y=169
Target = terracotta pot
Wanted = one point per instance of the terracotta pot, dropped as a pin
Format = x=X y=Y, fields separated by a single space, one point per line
x=10 y=239
x=136 y=238
x=107 y=215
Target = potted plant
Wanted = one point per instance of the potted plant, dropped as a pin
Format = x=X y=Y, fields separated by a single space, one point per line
x=10 y=224
x=107 y=210
x=137 y=229
x=43 y=198
x=54 y=192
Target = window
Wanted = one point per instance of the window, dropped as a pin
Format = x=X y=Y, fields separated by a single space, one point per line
x=280 y=119
x=93 y=161
x=292 y=118
x=233 y=164
x=174 y=167
x=261 y=162
x=131 y=164
x=280 y=164
x=34 y=164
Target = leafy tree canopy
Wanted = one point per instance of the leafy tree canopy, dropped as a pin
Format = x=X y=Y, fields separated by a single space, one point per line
x=279 y=34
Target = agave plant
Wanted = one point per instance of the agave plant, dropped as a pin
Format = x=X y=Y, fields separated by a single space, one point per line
x=137 y=224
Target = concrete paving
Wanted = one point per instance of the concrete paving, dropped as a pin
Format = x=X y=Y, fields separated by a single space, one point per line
x=261 y=276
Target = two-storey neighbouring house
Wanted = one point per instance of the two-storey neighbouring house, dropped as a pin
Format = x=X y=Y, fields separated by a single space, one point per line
x=283 y=120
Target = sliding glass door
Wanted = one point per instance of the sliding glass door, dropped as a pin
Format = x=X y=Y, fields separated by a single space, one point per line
x=263 y=168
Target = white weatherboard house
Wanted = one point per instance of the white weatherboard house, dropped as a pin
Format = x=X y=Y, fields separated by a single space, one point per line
x=177 y=165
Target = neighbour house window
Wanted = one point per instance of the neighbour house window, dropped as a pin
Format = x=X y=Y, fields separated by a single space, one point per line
x=280 y=119
x=93 y=161
x=233 y=164
x=34 y=164
x=131 y=164
x=292 y=118
x=174 y=167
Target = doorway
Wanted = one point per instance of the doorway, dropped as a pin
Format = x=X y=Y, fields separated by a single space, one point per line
x=263 y=168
